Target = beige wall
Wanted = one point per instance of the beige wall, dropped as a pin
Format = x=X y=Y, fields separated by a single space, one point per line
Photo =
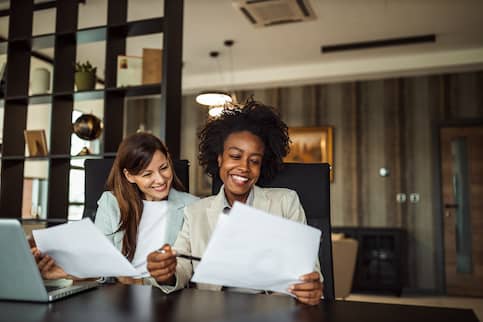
x=381 y=123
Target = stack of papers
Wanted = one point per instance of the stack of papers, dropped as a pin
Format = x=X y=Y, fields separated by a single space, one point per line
x=82 y=250
x=252 y=249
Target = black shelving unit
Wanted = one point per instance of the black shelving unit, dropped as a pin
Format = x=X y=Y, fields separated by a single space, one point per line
x=65 y=40
x=381 y=264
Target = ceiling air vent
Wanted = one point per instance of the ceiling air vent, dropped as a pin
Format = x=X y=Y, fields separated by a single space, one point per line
x=379 y=43
x=264 y=13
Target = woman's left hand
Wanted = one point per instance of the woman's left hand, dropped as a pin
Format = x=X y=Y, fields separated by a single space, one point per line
x=310 y=290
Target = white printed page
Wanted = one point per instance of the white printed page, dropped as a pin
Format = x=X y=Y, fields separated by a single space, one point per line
x=253 y=249
x=82 y=250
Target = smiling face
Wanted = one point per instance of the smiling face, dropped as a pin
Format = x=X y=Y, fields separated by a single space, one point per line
x=240 y=164
x=155 y=180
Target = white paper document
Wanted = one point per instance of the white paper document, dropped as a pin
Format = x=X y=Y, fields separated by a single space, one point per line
x=82 y=250
x=253 y=249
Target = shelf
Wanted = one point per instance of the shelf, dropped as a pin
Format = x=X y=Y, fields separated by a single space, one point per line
x=22 y=157
x=19 y=40
x=37 y=6
x=93 y=34
x=145 y=27
x=139 y=27
x=18 y=99
x=40 y=99
x=18 y=43
x=140 y=90
x=48 y=220
x=98 y=94
x=43 y=41
x=58 y=157
x=82 y=36
x=93 y=156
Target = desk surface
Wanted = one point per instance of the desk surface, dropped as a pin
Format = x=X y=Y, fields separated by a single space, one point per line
x=121 y=303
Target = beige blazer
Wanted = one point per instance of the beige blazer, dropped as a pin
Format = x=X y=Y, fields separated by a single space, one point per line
x=201 y=218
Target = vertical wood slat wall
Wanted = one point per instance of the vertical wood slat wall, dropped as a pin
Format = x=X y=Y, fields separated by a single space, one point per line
x=62 y=98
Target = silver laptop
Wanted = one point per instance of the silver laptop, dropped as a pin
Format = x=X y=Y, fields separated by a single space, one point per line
x=20 y=278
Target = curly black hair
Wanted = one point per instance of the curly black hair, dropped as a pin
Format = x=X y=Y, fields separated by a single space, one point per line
x=254 y=117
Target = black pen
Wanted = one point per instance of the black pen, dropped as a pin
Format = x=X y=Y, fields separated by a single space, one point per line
x=193 y=258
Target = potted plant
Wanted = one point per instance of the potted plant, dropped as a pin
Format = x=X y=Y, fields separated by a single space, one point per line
x=85 y=76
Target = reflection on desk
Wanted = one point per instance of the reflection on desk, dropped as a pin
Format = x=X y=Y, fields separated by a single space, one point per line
x=121 y=303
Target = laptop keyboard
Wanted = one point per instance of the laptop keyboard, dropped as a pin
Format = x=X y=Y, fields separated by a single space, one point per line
x=53 y=288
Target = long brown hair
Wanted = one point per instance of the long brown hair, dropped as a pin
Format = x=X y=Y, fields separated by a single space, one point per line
x=134 y=154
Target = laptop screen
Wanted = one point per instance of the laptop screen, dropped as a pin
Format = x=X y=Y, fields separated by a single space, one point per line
x=20 y=277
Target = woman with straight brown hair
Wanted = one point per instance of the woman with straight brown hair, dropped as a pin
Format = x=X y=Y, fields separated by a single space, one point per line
x=142 y=209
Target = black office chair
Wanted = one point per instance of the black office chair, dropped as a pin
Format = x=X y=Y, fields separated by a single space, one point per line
x=312 y=183
x=97 y=171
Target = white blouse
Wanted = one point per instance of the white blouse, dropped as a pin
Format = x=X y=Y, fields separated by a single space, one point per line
x=151 y=233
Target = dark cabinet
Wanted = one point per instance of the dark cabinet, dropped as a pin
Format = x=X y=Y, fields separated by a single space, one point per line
x=381 y=258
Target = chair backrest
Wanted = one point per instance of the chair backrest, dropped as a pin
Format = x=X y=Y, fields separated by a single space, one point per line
x=344 y=255
x=97 y=171
x=311 y=181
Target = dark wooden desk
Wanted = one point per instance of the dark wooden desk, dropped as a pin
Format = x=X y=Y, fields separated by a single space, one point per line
x=119 y=303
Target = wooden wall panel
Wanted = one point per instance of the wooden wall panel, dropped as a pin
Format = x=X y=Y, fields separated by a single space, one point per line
x=372 y=132
x=340 y=107
x=394 y=143
x=464 y=104
x=419 y=180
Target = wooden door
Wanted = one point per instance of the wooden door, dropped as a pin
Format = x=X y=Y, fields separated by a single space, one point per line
x=462 y=187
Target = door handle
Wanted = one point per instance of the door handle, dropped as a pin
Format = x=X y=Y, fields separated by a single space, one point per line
x=451 y=206
x=448 y=207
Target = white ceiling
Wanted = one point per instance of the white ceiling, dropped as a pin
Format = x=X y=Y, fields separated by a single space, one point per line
x=290 y=54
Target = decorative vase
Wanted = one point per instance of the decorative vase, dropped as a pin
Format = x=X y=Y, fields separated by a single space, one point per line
x=88 y=127
x=85 y=81
x=40 y=81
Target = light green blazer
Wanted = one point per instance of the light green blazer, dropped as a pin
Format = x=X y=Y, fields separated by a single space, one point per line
x=108 y=216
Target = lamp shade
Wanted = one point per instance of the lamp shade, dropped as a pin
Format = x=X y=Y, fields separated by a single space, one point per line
x=213 y=98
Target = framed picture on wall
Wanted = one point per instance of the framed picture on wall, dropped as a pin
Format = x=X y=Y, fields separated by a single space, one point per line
x=312 y=145
x=129 y=70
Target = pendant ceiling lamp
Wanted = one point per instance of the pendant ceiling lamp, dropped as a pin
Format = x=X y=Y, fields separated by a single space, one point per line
x=217 y=100
x=214 y=97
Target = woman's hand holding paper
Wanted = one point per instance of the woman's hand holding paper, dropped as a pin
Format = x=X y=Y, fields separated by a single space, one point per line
x=310 y=290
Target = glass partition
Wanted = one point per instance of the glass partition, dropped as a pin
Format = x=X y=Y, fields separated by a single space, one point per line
x=459 y=151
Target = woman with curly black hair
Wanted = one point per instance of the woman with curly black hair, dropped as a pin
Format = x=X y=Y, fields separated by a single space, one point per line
x=241 y=146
